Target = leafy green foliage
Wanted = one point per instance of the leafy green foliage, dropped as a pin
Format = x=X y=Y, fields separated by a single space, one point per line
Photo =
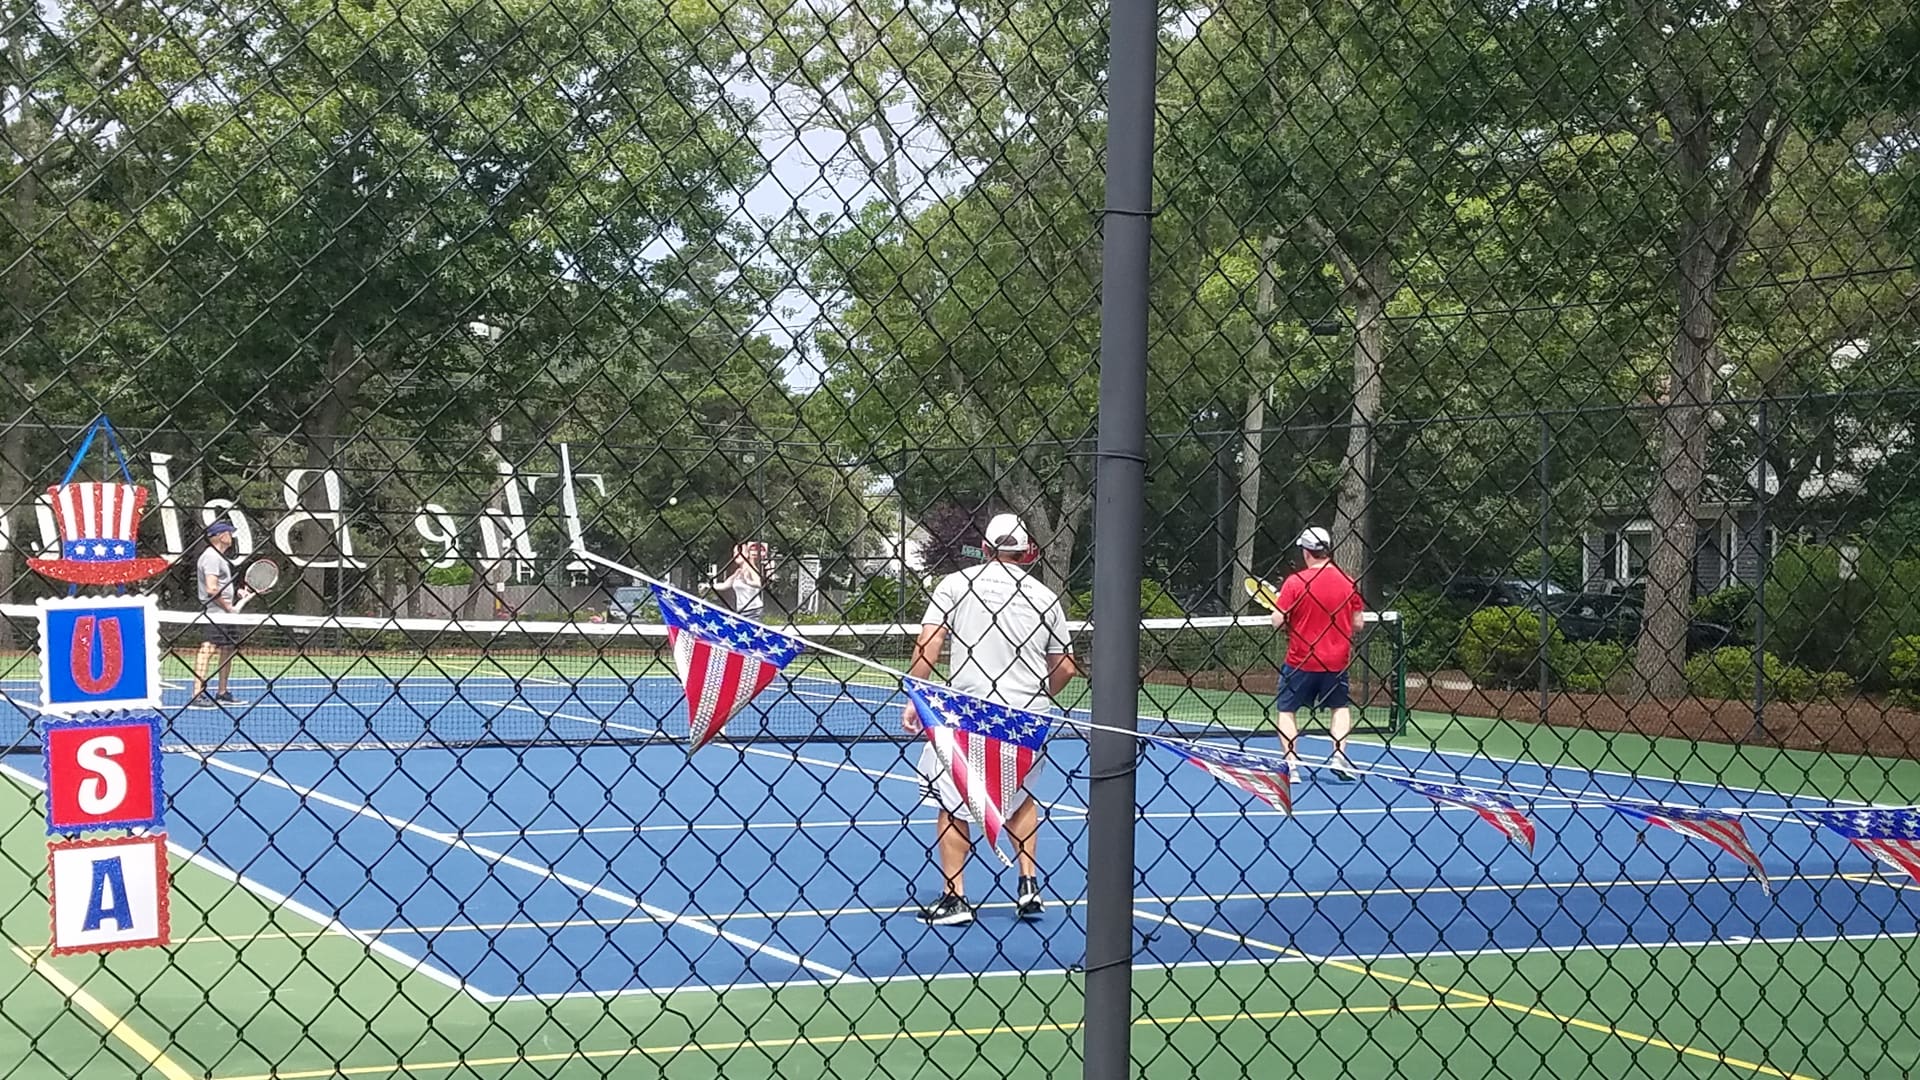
x=1587 y=667
x=1502 y=646
x=1728 y=674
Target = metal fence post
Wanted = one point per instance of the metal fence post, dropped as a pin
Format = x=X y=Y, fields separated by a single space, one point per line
x=1762 y=556
x=1545 y=474
x=1119 y=495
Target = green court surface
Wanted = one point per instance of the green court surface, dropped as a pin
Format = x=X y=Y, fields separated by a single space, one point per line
x=252 y=992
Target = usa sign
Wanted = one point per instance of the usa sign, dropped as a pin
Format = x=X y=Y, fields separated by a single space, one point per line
x=108 y=894
x=99 y=654
x=103 y=774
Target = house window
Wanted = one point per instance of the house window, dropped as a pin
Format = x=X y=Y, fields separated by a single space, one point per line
x=1636 y=547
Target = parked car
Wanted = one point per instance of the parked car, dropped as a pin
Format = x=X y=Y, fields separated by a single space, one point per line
x=630 y=602
x=1479 y=592
x=1616 y=617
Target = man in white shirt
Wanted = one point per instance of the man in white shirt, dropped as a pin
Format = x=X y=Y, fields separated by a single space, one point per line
x=1010 y=645
x=213 y=581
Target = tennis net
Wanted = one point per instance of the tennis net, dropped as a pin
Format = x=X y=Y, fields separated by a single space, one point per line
x=335 y=682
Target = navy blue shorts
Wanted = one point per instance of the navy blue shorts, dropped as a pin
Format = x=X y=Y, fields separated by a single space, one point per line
x=1311 y=689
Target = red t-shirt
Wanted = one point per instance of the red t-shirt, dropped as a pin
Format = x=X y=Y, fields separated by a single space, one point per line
x=1320 y=603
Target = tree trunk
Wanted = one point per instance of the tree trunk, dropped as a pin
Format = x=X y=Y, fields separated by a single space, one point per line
x=1660 y=653
x=1353 y=519
x=1054 y=523
x=1247 y=497
x=1246 y=524
x=321 y=433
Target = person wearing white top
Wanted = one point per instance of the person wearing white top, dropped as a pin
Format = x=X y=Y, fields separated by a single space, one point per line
x=1010 y=645
x=745 y=583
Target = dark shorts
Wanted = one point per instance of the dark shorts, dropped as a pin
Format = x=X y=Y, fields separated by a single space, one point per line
x=224 y=635
x=1311 y=689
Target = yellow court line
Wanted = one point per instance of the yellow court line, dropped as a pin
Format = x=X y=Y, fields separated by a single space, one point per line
x=1486 y=1000
x=1064 y=1027
x=106 y=1018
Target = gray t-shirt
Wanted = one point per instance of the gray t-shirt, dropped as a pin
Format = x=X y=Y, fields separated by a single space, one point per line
x=213 y=565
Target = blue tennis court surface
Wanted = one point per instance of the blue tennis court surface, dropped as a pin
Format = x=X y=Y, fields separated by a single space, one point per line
x=546 y=871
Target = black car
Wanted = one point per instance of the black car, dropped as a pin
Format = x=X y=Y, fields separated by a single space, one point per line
x=1479 y=592
x=1616 y=617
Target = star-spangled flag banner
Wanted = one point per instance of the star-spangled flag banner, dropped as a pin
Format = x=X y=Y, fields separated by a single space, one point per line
x=1892 y=836
x=988 y=748
x=1266 y=778
x=1716 y=827
x=723 y=660
x=1495 y=810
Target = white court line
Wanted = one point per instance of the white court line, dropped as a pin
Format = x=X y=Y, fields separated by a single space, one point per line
x=878 y=823
x=879 y=774
x=1736 y=941
x=1387 y=890
x=274 y=899
x=690 y=922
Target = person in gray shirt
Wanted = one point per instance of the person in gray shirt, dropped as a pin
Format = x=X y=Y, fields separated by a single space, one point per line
x=213 y=582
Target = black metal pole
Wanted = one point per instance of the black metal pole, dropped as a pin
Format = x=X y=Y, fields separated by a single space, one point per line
x=1545 y=475
x=1119 y=501
x=1762 y=556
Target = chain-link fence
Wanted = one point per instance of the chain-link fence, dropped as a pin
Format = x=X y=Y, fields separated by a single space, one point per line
x=476 y=477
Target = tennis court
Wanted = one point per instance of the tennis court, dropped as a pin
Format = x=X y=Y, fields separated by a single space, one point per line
x=749 y=910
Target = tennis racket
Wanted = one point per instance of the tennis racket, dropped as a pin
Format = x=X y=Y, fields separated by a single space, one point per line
x=261 y=576
x=1266 y=594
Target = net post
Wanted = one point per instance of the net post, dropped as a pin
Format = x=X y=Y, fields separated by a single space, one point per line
x=1119 y=503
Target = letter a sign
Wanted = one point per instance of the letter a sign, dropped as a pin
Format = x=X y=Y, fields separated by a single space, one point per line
x=99 y=654
x=108 y=894
x=103 y=774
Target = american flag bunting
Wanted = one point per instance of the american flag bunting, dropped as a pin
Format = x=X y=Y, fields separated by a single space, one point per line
x=1495 y=810
x=723 y=660
x=1891 y=836
x=988 y=748
x=1716 y=827
x=1266 y=778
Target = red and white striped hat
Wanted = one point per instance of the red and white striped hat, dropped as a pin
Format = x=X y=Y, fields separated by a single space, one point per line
x=99 y=531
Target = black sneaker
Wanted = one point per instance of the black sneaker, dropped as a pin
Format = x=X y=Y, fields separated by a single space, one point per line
x=227 y=699
x=1027 y=901
x=200 y=701
x=950 y=911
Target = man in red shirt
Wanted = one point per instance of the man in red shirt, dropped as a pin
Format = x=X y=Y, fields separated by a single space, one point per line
x=1320 y=609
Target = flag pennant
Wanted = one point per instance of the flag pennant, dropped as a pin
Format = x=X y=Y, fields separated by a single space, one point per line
x=1266 y=778
x=1493 y=809
x=1891 y=836
x=1716 y=827
x=987 y=748
x=722 y=659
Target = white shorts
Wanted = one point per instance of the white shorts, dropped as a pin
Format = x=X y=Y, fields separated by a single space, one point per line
x=937 y=787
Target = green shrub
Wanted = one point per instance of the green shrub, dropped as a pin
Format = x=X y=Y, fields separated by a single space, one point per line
x=1731 y=606
x=1586 y=667
x=1431 y=624
x=1818 y=620
x=1728 y=674
x=457 y=574
x=1903 y=670
x=1501 y=646
x=1155 y=603
x=879 y=601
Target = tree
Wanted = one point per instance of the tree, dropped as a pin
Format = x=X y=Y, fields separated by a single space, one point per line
x=384 y=206
x=1345 y=128
x=1708 y=93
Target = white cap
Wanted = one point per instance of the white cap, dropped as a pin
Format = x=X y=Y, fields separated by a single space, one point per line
x=1314 y=539
x=1005 y=533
